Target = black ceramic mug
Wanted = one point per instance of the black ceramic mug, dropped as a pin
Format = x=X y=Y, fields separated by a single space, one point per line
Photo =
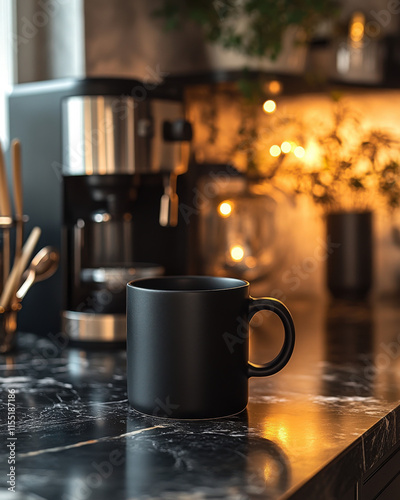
x=187 y=345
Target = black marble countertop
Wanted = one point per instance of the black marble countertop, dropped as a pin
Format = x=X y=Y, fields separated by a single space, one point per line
x=309 y=431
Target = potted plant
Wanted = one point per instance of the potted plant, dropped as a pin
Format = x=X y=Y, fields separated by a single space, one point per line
x=255 y=34
x=356 y=171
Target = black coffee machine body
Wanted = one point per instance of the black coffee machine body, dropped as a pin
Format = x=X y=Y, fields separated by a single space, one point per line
x=103 y=164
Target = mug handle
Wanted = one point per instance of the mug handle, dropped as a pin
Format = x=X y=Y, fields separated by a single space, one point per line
x=277 y=307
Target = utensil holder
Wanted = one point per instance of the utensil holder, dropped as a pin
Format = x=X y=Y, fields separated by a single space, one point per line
x=8 y=327
x=8 y=316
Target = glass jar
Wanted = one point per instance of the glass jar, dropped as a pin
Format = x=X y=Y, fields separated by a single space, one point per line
x=239 y=231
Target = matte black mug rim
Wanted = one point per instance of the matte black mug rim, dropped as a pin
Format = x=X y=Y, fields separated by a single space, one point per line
x=240 y=284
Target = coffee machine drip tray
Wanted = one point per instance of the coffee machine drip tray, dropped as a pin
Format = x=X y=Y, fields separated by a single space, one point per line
x=93 y=327
x=100 y=315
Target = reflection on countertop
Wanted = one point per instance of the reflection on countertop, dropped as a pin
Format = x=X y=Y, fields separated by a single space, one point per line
x=311 y=431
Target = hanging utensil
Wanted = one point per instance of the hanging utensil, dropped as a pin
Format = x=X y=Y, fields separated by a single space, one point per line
x=18 y=268
x=43 y=265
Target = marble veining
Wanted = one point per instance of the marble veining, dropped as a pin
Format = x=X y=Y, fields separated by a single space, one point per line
x=86 y=443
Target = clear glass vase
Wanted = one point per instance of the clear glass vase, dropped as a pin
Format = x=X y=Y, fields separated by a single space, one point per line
x=240 y=234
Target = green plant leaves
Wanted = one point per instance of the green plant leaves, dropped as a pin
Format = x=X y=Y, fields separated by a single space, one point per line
x=251 y=27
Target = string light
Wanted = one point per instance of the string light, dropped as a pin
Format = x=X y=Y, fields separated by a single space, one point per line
x=286 y=147
x=275 y=150
x=225 y=208
x=299 y=152
x=269 y=106
x=313 y=154
x=237 y=253
x=357 y=27
x=275 y=87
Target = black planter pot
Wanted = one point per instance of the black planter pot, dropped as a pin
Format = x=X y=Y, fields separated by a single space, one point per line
x=350 y=254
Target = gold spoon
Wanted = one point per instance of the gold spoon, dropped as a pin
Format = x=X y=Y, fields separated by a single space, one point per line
x=44 y=264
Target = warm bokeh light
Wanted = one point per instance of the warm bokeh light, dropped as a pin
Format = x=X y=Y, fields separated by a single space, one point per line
x=275 y=150
x=225 y=209
x=237 y=253
x=275 y=87
x=269 y=106
x=286 y=147
x=299 y=152
x=357 y=25
x=250 y=262
x=313 y=154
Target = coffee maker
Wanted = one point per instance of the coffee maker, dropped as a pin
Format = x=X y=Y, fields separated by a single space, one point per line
x=104 y=160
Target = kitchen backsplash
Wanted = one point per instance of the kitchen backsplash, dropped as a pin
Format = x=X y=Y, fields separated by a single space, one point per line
x=220 y=119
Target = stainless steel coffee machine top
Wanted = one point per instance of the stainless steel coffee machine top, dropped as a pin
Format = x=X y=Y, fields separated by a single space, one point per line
x=110 y=135
x=112 y=146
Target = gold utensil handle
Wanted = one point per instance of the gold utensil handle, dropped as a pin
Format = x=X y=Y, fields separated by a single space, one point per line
x=18 y=268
